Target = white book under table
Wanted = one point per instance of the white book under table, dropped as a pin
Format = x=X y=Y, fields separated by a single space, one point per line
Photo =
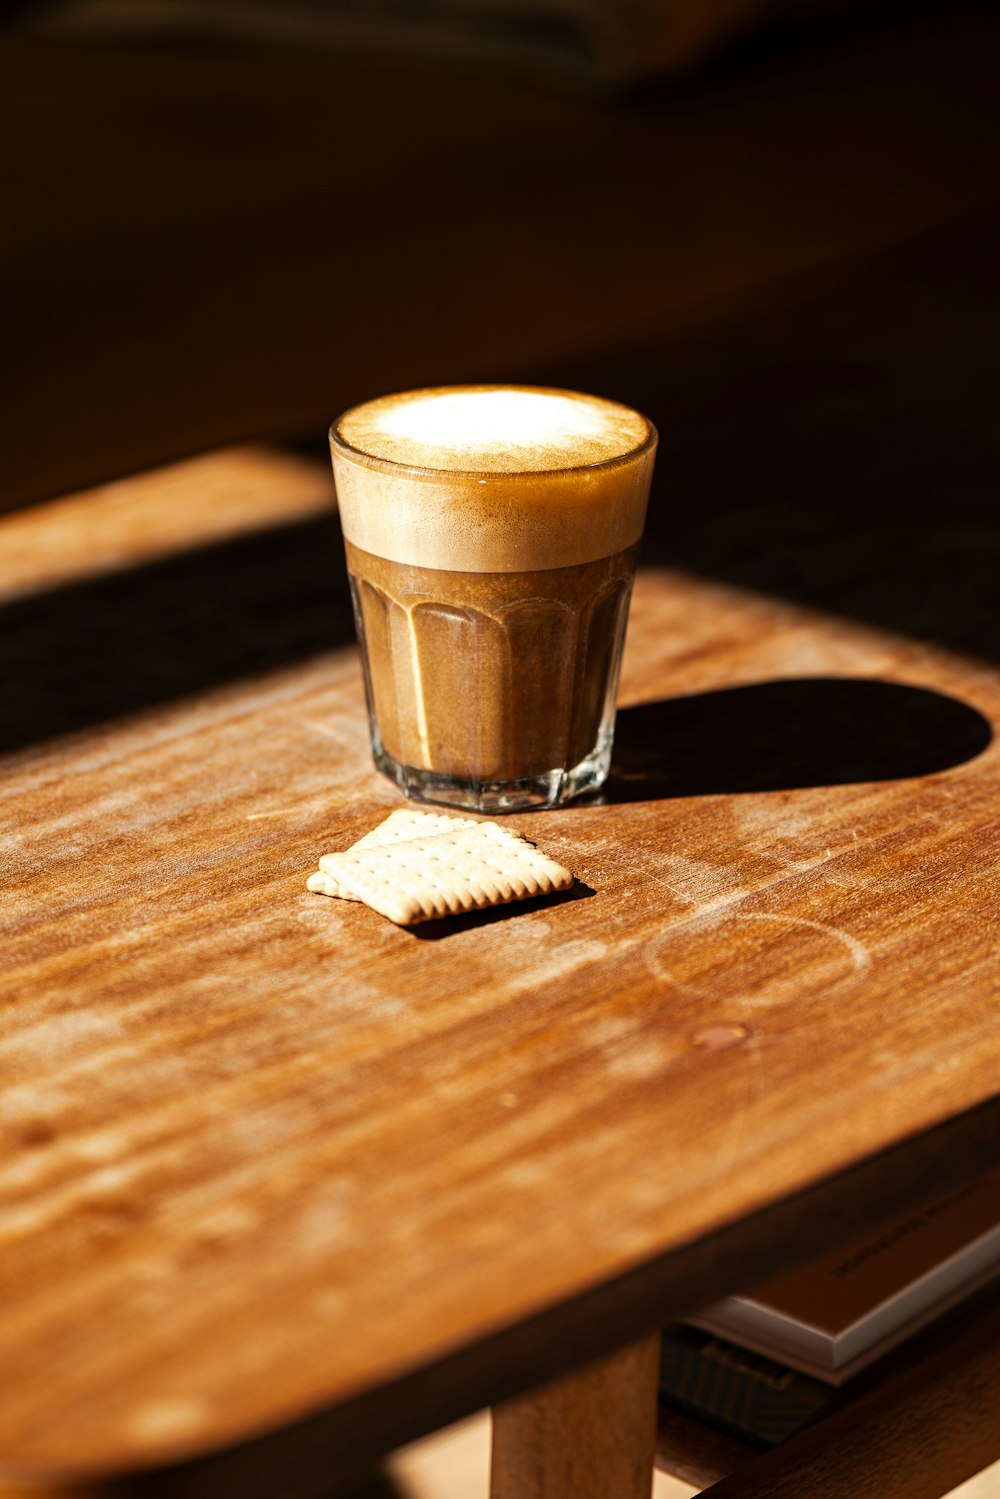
x=839 y=1313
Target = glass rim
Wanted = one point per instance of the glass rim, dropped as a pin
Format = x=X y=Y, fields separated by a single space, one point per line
x=340 y=444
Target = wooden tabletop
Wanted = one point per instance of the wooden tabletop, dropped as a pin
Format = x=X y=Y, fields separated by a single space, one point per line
x=267 y=1155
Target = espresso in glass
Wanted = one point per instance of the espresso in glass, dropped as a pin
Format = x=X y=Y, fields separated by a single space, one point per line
x=492 y=535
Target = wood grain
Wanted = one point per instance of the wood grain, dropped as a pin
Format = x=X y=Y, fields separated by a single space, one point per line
x=157 y=514
x=268 y=1159
x=589 y=1435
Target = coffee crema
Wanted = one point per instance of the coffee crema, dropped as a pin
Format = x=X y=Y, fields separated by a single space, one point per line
x=492 y=479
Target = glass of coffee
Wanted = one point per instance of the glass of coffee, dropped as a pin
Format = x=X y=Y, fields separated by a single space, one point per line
x=492 y=534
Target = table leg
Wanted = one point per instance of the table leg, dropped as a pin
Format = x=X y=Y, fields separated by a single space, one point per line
x=590 y=1435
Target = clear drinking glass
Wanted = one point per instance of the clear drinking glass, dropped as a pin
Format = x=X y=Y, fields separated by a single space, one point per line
x=492 y=534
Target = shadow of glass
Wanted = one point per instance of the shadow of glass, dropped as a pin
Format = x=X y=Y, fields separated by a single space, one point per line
x=91 y=651
x=786 y=735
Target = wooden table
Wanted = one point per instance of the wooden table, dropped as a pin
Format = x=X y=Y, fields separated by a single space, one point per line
x=281 y=1177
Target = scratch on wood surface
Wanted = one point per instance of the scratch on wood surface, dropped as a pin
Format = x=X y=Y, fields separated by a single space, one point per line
x=161 y=1420
x=327 y=730
x=560 y=960
x=278 y=812
x=702 y=910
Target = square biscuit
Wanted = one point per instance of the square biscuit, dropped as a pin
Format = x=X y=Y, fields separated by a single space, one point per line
x=417 y=879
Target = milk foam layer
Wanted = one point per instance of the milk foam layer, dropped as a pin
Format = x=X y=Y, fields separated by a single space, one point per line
x=492 y=478
x=493 y=429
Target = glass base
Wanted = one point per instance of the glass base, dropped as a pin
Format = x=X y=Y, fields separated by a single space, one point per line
x=550 y=789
